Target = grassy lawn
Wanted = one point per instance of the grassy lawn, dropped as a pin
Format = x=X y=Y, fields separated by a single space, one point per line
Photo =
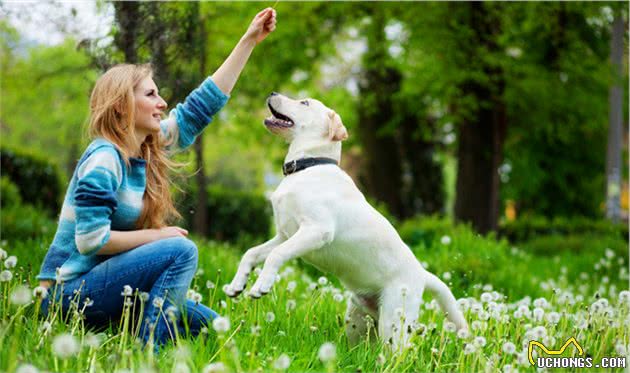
x=510 y=295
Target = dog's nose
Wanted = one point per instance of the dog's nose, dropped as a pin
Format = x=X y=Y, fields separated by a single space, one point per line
x=273 y=94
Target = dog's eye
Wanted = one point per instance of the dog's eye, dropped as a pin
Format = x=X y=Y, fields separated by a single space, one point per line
x=305 y=102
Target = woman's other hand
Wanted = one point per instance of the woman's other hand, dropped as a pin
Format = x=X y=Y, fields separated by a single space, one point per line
x=262 y=25
x=168 y=232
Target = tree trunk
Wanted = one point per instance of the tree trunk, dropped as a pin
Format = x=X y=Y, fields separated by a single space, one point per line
x=382 y=174
x=127 y=15
x=482 y=133
x=613 y=153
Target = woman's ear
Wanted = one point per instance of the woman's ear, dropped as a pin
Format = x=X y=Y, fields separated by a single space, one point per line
x=336 y=130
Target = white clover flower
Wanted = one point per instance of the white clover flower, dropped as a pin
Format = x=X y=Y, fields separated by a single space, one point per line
x=291 y=304
x=3 y=254
x=6 y=276
x=291 y=286
x=322 y=281
x=469 y=348
x=270 y=317
x=27 y=368
x=479 y=341
x=327 y=352
x=10 y=262
x=463 y=334
x=450 y=327
x=445 y=240
x=65 y=346
x=127 y=291
x=446 y=276
x=158 y=302
x=21 y=295
x=509 y=348
x=283 y=362
x=338 y=297
x=215 y=368
x=40 y=292
x=221 y=324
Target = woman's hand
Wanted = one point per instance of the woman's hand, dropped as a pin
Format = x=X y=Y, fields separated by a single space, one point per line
x=168 y=232
x=262 y=25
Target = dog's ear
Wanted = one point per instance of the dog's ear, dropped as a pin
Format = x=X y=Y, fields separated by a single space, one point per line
x=336 y=130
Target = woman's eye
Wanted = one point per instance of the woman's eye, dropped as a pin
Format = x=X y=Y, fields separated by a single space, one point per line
x=305 y=102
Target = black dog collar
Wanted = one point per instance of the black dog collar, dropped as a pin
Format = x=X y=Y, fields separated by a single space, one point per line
x=300 y=164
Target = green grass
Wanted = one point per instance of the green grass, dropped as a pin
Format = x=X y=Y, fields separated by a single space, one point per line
x=479 y=267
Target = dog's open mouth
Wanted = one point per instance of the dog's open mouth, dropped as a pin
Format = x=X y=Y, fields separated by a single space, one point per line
x=278 y=119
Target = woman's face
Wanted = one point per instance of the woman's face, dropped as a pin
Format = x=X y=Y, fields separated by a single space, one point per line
x=149 y=107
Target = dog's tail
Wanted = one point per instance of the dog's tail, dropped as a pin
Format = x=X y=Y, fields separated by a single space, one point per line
x=446 y=300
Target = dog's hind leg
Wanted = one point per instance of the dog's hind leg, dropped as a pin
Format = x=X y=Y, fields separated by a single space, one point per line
x=252 y=257
x=446 y=300
x=360 y=320
x=398 y=312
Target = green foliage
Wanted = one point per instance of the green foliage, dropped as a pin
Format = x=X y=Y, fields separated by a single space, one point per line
x=22 y=221
x=37 y=178
x=9 y=193
x=233 y=215
x=576 y=242
x=424 y=230
x=529 y=227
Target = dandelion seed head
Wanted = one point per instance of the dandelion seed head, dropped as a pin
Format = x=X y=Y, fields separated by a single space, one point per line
x=270 y=317
x=291 y=304
x=221 y=324
x=486 y=297
x=327 y=352
x=553 y=317
x=144 y=296
x=446 y=276
x=479 y=341
x=3 y=254
x=215 y=368
x=450 y=327
x=463 y=334
x=45 y=328
x=127 y=291
x=10 y=262
x=65 y=346
x=445 y=240
x=322 y=281
x=509 y=348
x=338 y=297
x=469 y=348
x=158 y=302
x=282 y=362
x=291 y=286
x=40 y=292
x=6 y=276
x=21 y=295
x=93 y=340
x=621 y=349
x=27 y=368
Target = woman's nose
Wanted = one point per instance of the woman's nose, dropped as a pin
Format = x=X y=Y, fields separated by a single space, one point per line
x=162 y=104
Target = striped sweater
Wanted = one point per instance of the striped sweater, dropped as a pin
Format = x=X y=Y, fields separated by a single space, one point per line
x=104 y=194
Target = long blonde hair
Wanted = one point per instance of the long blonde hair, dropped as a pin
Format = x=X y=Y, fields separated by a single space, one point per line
x=112 y=116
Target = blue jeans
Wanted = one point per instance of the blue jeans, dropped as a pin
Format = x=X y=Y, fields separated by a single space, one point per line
x=164 y=269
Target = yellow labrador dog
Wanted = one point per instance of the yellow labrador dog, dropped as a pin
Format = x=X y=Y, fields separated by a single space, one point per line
x=322 y=217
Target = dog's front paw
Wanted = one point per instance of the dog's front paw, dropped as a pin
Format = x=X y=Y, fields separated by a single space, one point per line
x=231 y=291
x=260 y=288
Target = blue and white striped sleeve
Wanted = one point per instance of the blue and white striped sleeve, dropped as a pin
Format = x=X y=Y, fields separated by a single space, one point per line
x=98 y=179
x=188 y=119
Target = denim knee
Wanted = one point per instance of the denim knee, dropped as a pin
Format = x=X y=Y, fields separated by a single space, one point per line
x=184 y=248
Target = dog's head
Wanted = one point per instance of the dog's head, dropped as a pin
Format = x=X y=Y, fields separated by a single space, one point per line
x=304 y=119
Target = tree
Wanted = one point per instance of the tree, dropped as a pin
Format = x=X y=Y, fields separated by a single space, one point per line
x=613 y=154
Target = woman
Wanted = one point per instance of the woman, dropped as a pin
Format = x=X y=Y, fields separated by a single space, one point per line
x=112 y=235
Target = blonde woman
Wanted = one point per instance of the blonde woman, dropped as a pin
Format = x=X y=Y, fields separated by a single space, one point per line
x=112 y=236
